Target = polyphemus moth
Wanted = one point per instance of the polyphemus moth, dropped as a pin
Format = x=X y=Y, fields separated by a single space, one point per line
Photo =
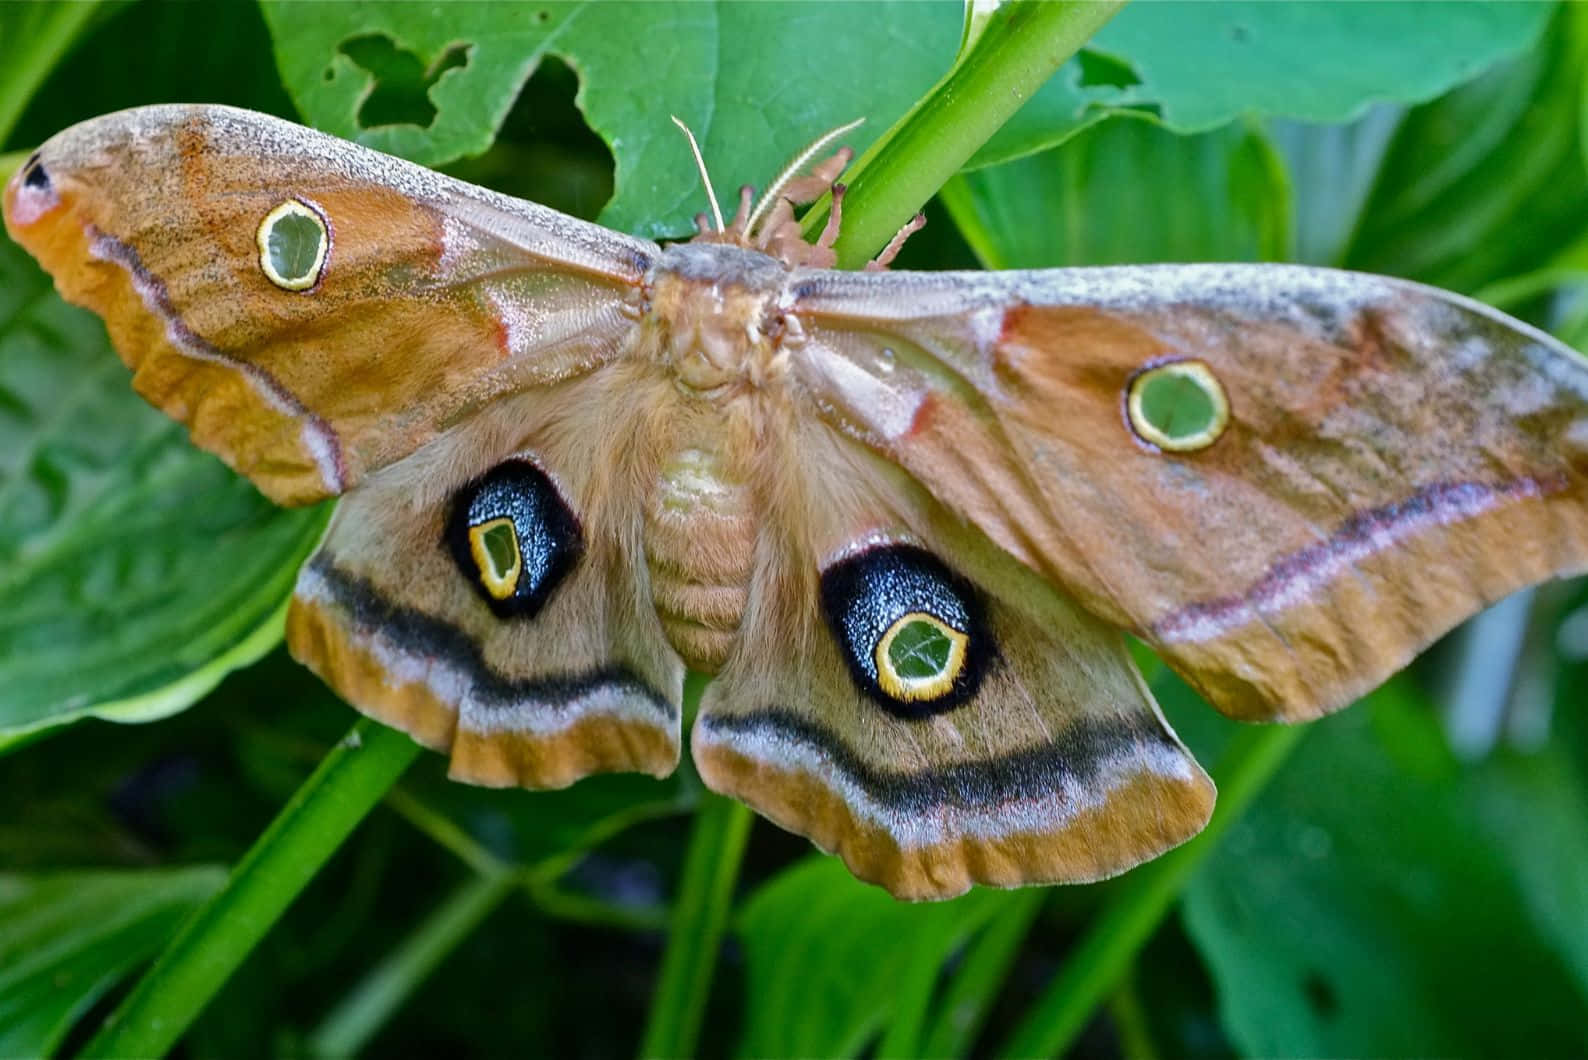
x=902 y=517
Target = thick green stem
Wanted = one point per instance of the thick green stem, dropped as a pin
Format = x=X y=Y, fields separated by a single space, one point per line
x=48 y=32
x=1095 y=966
x=1020 y=47
x=700 y=917
x=210 y=946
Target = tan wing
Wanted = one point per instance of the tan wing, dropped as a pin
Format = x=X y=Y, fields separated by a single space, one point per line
x=431 y=297
x=1395 y=456
x=487 y=595
x=1037 y=756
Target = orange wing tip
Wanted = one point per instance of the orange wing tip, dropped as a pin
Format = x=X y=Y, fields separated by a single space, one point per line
x=425 y=678
x=1345 y=643
x=931 y=835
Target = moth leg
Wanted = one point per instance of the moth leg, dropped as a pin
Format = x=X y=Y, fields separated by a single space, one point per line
x=881 y=262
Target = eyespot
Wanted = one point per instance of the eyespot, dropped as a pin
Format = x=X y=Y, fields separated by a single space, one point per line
x=293 y=245
x=1179 y=406
x=910 y=630
x=514 y=537
x=34 y=175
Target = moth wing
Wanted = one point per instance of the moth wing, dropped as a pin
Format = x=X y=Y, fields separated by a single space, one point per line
x=1395 y=457
x=1048 y=761
x=554 y=666
x=431 y=298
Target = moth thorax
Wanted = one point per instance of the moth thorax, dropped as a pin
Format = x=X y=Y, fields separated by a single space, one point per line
x=717 y=334
x=699 y=547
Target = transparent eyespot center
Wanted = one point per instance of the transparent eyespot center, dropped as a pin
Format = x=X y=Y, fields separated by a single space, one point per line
x=920 y=657
x=1179 y=406
x=292 y=246
x=494 y=545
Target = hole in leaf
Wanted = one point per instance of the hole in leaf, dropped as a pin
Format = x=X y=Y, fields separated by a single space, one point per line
x=401 y=95
x=1099 y=68
x=545 y=152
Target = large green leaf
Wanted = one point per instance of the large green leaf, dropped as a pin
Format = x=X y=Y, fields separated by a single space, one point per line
x=1128 y=192
x=66 y=938
x=1382 y=898
x=135 y=571
x=1200 y=65
x=1489 y=180
x=831 y=960
x=754 y=81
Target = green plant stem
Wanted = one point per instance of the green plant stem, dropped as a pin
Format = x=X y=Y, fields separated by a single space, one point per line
x=1020 y=47
x=1097 y=963
x=968 y=998
x=210 y=946
x=49 y=34
x=699 y=918
x=362 y=1013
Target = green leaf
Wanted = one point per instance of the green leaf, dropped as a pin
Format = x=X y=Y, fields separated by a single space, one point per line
x=135 y=571
x=33 y=38
x=1128 y=191
x=754 y=81
x=826 y=956
x=1489 y=180
x=1202 y=65
x=68 y=937
x=1198 y=66
x=1436 y=910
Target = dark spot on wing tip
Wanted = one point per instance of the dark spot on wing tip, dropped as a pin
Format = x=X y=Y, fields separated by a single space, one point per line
x=34 y=175
x=642 y=262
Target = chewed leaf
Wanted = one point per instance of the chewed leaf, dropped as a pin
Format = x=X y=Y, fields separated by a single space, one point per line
x=135 y=571
x=434 y=88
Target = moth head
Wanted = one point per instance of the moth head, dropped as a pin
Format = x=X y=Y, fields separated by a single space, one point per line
x=911 y=631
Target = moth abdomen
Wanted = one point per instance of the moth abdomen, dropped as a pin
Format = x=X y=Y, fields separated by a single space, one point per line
x=699 y=550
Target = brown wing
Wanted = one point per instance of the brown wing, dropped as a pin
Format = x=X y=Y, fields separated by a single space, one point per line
x=431 y=296
x=1394 y=458
x=487 y=596
x=1033 y=753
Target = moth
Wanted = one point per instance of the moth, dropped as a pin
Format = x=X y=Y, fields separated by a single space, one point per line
x=902 y=517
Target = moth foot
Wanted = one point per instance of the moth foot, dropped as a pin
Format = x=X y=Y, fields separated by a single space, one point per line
x=881 y=262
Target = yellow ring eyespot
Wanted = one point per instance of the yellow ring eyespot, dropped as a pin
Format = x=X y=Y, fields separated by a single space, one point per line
x=494 y=545
x=1179 y=407
x=293 y=242
x=920 y=657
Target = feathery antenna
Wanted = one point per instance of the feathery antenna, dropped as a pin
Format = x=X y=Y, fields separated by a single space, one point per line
x=793 y=169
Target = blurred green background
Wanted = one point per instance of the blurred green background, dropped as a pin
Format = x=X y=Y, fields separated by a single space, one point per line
x=1412 y=879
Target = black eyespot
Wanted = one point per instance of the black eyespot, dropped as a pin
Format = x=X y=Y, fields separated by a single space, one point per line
x=513 y=537
x=911 y=630
x=34 y=176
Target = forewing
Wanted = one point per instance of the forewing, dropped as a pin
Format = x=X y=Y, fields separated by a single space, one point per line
x=1396 y=457
x=1043 y=759
x=433 y=297
x=487 y=595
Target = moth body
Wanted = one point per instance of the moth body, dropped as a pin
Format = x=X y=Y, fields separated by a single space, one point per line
x=716 y=311
x=714 y=322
